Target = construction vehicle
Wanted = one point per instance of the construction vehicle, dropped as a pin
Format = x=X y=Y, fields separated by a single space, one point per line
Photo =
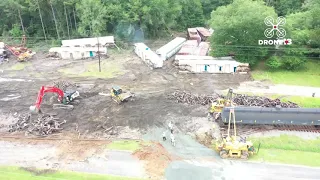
x=118 y=95
x=65 y=98
x=233 y=146
x=20 y=51
x=216 y=107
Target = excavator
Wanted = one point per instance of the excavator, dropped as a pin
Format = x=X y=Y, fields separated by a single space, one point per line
x=65 y=98
x=233 y=146
x=217 y=107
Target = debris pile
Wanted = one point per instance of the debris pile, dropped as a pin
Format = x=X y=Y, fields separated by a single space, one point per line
x=44 y=125
x=185 y=97
x=64 y=85
x=245 y=100
x=238 y=99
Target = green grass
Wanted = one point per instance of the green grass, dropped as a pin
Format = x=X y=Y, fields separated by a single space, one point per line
x=287 y=149
x=286 y=142
x=307 y=102
x=16 y=173
x=129 y=145
x=108 y=70
x=309 y=76
x=19 y=66
x=287 y=157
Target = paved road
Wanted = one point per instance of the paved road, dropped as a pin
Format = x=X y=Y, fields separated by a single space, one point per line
x=238 y=170
x=119 y=163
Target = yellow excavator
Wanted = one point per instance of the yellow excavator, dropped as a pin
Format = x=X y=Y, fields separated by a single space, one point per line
x=233 y=146
x=217 y=107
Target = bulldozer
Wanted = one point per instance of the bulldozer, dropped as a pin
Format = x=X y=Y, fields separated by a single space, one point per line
x=233 y=146
x=118 y=95
x=216 y=107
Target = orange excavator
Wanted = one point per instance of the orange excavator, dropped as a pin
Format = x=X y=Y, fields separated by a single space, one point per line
x=65 y=98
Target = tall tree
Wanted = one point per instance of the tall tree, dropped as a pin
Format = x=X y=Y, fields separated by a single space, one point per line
x=92 y=17
x=34 y=5
x=284 y=7
x=305 y=25
x=240 y=24
x=16 y=6
x=209 y=5
x=55 y=19
x=65 y=12
x=191 y=14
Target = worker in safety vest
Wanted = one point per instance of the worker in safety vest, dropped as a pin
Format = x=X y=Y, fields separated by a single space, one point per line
x=173 y=141
x=164 y=136
x=170 y=127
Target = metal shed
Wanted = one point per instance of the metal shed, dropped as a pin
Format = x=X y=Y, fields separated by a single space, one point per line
x=171 y=48
x=208 y=64
x=269 y=116
x=147 y=55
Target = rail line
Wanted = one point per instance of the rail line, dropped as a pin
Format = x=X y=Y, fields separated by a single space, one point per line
x=245 y=130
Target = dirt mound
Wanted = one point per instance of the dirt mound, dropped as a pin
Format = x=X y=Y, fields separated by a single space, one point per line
x=79 y=150
x=156 y=159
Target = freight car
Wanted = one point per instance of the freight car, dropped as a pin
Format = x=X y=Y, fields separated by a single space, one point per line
x=273 y=116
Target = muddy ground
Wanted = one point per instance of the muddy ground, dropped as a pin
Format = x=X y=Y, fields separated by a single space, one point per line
x=150 y=107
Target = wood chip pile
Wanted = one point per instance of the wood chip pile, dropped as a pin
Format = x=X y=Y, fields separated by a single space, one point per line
x=44 y=125
x=238 y=99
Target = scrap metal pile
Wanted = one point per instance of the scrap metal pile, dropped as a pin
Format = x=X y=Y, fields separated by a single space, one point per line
x=44 y=125
x=238 y=99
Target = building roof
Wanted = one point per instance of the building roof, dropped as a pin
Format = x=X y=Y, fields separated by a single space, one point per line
x=88 y=41
x=188 y=47
x=195 y=57
x=191 y=47
x=171 y=45
x=203 y=31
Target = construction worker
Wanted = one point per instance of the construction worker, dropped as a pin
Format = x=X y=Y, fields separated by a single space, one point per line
x=170 y=127
x=164 y=136
x=173 y=141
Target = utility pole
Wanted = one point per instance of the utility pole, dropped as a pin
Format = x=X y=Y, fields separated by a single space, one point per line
x=99 y=55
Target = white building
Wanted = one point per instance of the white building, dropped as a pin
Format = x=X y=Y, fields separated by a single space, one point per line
x=147 y=55
x=171 y=48
x=207 y=64
x=83 y=48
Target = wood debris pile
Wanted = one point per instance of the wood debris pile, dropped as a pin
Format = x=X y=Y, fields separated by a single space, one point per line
x=238 y=99
x=245 y=100
x=44 y=125
x=64 y=85
x=185 y=97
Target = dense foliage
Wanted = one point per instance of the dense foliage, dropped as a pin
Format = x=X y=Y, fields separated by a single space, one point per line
x=240 y=25
x=237 y=24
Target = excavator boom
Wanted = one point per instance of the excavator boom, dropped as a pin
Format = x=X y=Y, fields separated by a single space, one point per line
x=43 y=90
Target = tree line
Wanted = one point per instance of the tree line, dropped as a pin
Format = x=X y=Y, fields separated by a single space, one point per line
x=235 y=22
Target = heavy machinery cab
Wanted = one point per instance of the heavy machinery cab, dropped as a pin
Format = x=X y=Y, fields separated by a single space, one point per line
x=116 y=90
x=69 y=96
x=231 y=145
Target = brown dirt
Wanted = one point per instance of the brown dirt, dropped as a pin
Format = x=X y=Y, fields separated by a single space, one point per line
x=149 y=108
x=156 y=159
x=79 y=150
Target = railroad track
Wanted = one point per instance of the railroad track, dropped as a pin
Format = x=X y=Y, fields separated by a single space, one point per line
x=246 y=130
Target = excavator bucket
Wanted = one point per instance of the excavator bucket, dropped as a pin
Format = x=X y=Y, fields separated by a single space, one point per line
x=34 y=110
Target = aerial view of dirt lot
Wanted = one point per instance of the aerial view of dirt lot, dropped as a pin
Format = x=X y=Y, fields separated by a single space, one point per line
x=107 y=139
